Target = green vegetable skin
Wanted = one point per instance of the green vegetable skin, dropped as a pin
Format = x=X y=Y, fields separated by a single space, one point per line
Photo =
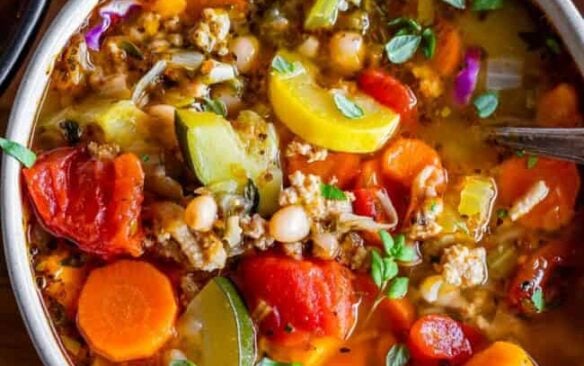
x=218 y=153
x=216 y=328
x=323 y=14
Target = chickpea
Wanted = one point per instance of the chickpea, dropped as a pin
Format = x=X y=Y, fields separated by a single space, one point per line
x=326 y=245
x=309 y=48
x=347 y=51
x=201 y=212
x=246 y=51
x=290 y=224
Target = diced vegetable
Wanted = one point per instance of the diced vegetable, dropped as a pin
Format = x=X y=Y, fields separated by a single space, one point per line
x=322 y=15
x=94 y=203
x=248 y=152
x=216 y=328
x=559 y=107
x=126 y=310
x=477 y=198
x=109 y=14
x=448 y=50
x=25 y=156
x=501 y=354
x=303 y=299
x=562 y=179
x=342 y=166
x=310 y=112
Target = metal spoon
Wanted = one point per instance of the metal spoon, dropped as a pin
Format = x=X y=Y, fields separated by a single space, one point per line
x=561 y=143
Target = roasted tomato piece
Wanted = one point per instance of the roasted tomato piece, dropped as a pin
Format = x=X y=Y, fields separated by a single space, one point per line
x=294 y=300
x=438 y=338
x=94 y=203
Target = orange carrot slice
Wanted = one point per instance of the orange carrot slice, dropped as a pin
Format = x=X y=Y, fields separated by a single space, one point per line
x=501 y=354
x=449 y=49
x=559 y=107
x=126 y=310
x=405 y=158
x=516 y=178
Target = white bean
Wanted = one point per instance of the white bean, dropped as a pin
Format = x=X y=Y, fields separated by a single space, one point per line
x=347 y=51
x=201 y=213
x=309 y=48
x=290 y=224
x=246 y=51
x=325 y=245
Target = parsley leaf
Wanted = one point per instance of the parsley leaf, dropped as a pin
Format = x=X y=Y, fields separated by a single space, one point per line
x=486 y=104
x=428 y=43
x=268 y=362
x=401 y=48
x=390 y=269
x=398 y=355
x=181 y=363
x=458 y=4
x=330 y=192
x=19 y=152
x=377 y=268
x=398 y=288
x=482 y=5
x=347 y=107
x=285 y=67
x=532 y=161
x=216 y=106
x=410 y=24
x=387 y=241
x=401 y=251
x=538 y=300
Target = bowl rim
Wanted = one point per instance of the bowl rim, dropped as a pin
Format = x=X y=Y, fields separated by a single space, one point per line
x=564 y=15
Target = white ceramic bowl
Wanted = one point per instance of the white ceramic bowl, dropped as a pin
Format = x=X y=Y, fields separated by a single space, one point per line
x=562 y=13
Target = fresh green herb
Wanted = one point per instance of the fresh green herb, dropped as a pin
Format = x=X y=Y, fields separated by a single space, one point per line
x=502 y=213
x=216 y=106
x=330 y=192
x=537 y=300
x=252 y=195
x=132 y=50
x=403 y=32
x=398 y=355
x=322 y=15
x=458 y=4
x=390 y=269
x=406 y=23
x=377 y=268
x=428 y=43
x=433 y=206
x=387 y=241
x=483 y=5
x=19 y=152
x=181 y=363
x=532 y=161
x=401 y=251
x=520 y=153
x=268 y=362
x=486 y=104
x=553 y=45
x=347 y=107
x=71 y=131
x=284 y=67
x=145 y=158
x=402 y=48
x=398 y=288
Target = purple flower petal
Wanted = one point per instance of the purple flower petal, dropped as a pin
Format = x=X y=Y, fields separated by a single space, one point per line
x=466 y=80
x=93 y=36
x=116 y=9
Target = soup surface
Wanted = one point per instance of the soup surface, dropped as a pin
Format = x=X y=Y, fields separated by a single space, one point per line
x=234 y=182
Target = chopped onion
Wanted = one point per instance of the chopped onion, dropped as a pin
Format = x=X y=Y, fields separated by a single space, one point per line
x=466 y=80
x=504 y=73
x=109 y=14
x=351 y=222
x=190 y=60
x=147 y=80
x=387 y=206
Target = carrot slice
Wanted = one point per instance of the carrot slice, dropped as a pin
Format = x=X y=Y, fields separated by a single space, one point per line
x=516 y=178
x=559 y=107
x=342 y=166
x=449 y=49
x=405 y=158
x=126 y=310
x=399 y=314
x=501 y=354
x=169 y=8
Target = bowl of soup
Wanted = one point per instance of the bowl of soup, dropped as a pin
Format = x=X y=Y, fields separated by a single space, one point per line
x=225 y=182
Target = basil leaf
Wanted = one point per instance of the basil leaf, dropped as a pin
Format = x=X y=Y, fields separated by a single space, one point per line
x=403 y=32
x=428 y=43
x=347 y=107
x=285 y=67
x=25 y=156
x=482 y=5
x=377 y=268
x=331 y=192
x=458 y=4
x=398 y=288
x=401 y=251
x=398 y=355
x=532 y=161
x=386 y=240
x=402 y=48
x=216 y=106
x=268 y=362
x=408 y=23
x=537 y=300
x=486 y=104
x=181 y=363
x=132 y=50
x=390 y=269
x=252 y=194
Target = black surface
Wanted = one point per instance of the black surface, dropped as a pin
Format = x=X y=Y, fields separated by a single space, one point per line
x=19 y=20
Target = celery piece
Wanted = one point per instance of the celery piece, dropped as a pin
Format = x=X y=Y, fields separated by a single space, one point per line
x=322 y=15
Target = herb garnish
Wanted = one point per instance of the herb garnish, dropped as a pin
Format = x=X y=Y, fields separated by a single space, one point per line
x=408 y=39
x=216 y=106
x=285 y=67
x=537 y=300
x=458 y=4
x=398 y=355
x=24 y=155
x=132 y=50
x=330 y=192
x=347 y=107
x=484 y=5
x=402 y=47
x=532 y=161
x=486 y=104
x=502 y=213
